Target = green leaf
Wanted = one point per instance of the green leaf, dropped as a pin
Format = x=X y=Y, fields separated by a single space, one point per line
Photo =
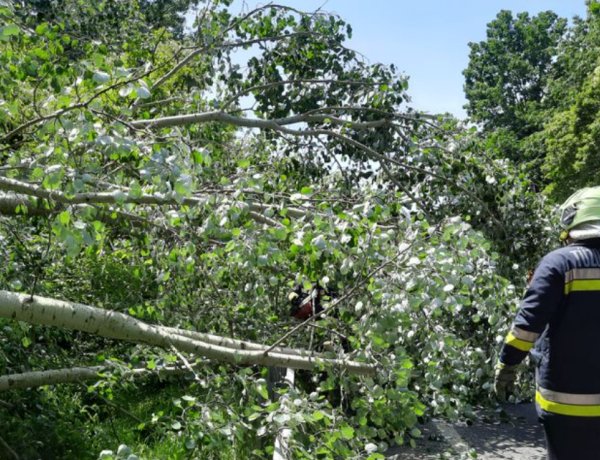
x=262 y=390
x=127 y=90
x=280 y=234
x=318 y=415
x=143 y=92
x=415 y=433
x=41 y=28
x=190 y=444
x=53 y=178
x=182 y=187
x=21 y=209
x=376 y=456
x=198 y=157
x=9 y=30
x=100 y=77
x=254 y=416
x=347 y=432
x=64 y=218
x=135 y=190
x=41 y=54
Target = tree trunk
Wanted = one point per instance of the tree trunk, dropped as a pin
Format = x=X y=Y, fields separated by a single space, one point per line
x=112 y=324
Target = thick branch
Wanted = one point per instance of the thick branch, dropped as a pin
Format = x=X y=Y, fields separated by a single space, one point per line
x=9 y=449
x=111 y=324
x=117 y=197
x=280 y=125
x=12 y=204
x=281 y=449
x=53 y=377
x=74 y=375
x=275 y=124
x=234 y=343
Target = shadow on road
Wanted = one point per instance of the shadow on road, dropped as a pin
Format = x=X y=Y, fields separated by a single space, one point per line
x=520 y=437
x=514 y=434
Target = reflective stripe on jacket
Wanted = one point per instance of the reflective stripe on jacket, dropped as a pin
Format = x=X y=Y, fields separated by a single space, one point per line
x=560 y=315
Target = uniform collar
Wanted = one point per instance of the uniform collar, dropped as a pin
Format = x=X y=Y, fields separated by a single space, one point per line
x=592 y=242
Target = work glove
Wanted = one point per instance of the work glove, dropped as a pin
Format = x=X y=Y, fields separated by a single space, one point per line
x=504 y=380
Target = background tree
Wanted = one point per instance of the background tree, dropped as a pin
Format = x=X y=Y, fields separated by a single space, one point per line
x=506 y=79
x=532 y=88
x=571 y=134
x=506 y=83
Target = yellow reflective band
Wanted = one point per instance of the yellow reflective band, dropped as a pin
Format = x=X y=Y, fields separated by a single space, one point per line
x=522 y=345
x=566 y=409
x=522 y=334
x=582 y=285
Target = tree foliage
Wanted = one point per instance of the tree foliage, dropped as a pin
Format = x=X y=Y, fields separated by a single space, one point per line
x=532 y=86
x=507 y=75
x=183 y=184
x=571 y=134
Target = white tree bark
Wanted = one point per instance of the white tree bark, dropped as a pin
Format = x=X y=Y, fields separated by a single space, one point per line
x=236 y=344
x=10 y=202
x=276 y=123
x=23 y=190
x=74 y=375
x=112 y=324
x=52 y=377
x=282 y=440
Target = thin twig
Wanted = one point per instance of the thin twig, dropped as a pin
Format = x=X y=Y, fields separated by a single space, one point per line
x=80 y=105
x=9 y=449
x=185 y=363
x=40 y=268
x=6 y=404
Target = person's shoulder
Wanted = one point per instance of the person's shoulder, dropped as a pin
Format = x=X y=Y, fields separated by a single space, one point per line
x=567 y=255
x=561 y=252
x=560 y=255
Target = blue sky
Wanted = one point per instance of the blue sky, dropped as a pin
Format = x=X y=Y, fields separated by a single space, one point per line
x=427 y=39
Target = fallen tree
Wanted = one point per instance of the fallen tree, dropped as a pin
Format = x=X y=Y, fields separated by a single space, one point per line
x=115 y=325
x=319 y=181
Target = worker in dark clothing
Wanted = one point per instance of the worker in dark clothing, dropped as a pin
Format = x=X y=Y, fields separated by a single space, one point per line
x=560 y=315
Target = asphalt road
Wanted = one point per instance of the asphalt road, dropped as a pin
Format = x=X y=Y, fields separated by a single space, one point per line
x=514 y=436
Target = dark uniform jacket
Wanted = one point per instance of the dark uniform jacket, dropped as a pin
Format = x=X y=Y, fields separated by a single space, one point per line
x=561 y=315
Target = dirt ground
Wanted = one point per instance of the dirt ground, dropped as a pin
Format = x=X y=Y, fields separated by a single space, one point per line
x=517 y=437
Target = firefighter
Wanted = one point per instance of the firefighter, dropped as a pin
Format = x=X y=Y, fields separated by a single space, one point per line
x=559 y=321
